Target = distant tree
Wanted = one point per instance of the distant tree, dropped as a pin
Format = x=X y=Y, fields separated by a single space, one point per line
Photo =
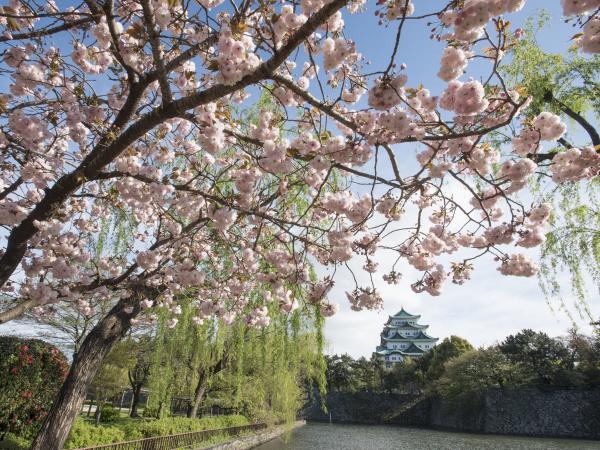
x=476 y=370
x=138 y=375
x=365 y=376
x=339 y=372
x=112 y=377
x=449 y=348
x=543 y=356
x=31 y=373
x=405 y=377
x=585 y=353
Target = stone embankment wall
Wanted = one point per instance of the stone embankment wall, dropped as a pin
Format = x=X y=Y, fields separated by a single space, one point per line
x=255 y=439
x=529 y=412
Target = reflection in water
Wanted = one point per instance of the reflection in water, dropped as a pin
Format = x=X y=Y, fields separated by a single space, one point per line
x=365 y=437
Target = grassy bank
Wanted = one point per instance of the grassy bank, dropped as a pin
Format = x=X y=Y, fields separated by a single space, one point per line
x=85 y=433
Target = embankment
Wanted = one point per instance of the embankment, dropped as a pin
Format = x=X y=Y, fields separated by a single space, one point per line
x=524 y=411
x=255 y=439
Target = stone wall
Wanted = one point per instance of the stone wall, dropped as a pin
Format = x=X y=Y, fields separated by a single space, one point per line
x=552 y=413
x=530 y=412
x=370 y=408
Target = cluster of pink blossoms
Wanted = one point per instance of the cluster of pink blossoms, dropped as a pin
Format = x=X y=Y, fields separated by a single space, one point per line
x=361 y=299
x=546 y=127
x=589 y=42
x=236 y=57
x=454 y=61
x=470 y=21
x=465 y=99
x=575 y=165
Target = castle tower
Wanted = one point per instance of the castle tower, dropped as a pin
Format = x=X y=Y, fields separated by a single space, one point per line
x=403 y=336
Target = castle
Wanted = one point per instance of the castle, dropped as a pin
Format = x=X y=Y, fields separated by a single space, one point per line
x=402 y=336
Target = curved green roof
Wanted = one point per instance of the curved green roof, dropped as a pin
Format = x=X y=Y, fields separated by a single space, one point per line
x=422 y=335
x=402 y=314
x=413 y=349
x=414 y=325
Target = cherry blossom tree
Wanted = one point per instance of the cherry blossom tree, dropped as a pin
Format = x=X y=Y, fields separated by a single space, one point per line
x=129 y=107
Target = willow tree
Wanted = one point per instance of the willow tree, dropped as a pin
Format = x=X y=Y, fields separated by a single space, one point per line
x=127 y=104
x=567 y=85
x=264 y=374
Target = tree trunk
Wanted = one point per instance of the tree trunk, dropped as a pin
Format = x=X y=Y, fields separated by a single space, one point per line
x=198 y=395
x=98 y=413
x=95 y=347
x=136 y=391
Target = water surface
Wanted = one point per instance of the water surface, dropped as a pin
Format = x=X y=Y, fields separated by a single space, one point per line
x=373 y=437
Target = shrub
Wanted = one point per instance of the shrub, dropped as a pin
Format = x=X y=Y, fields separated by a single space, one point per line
x=109 y=414
x=13 y=442
x=85 y=434
x=150 y=411
x=32 y=372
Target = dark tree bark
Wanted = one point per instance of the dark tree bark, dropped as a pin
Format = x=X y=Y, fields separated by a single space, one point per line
x=98 y=413
x=137 y=390
x=204 y=374
x=192 y=411
x=138 y=376
x=95 y=347
x=577 y=117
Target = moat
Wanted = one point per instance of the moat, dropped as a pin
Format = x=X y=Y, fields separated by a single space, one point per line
x=315 y=436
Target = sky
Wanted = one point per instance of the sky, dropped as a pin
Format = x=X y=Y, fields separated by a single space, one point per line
x=490 y=306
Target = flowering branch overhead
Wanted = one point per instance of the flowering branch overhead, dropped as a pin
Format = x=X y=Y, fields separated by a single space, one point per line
x=127 y=165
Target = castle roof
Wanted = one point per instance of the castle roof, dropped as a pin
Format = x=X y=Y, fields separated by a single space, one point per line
x=398 y=337
x=423 y=335
x=414 y=326
x=413 y=349
x=388 y=351
x=410 y=351
x=402 y=314
x=395 y=337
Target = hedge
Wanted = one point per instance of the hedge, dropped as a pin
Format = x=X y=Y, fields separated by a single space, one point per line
x=32 y=372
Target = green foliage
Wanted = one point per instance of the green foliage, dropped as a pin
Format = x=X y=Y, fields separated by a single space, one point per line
x=527 y=358
x=585 y=353
x=84 y=433
x=340 y=372
x=264 y=373
x=110 y=414
x=174 y=425
x=476 y=370
x=111 y=378
x=571 y=78
x=455 y=370
x=433 y=362
x=573 y=244
x=13 y=442
x=32 y=372
x=349 y=375
x=543 y=357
